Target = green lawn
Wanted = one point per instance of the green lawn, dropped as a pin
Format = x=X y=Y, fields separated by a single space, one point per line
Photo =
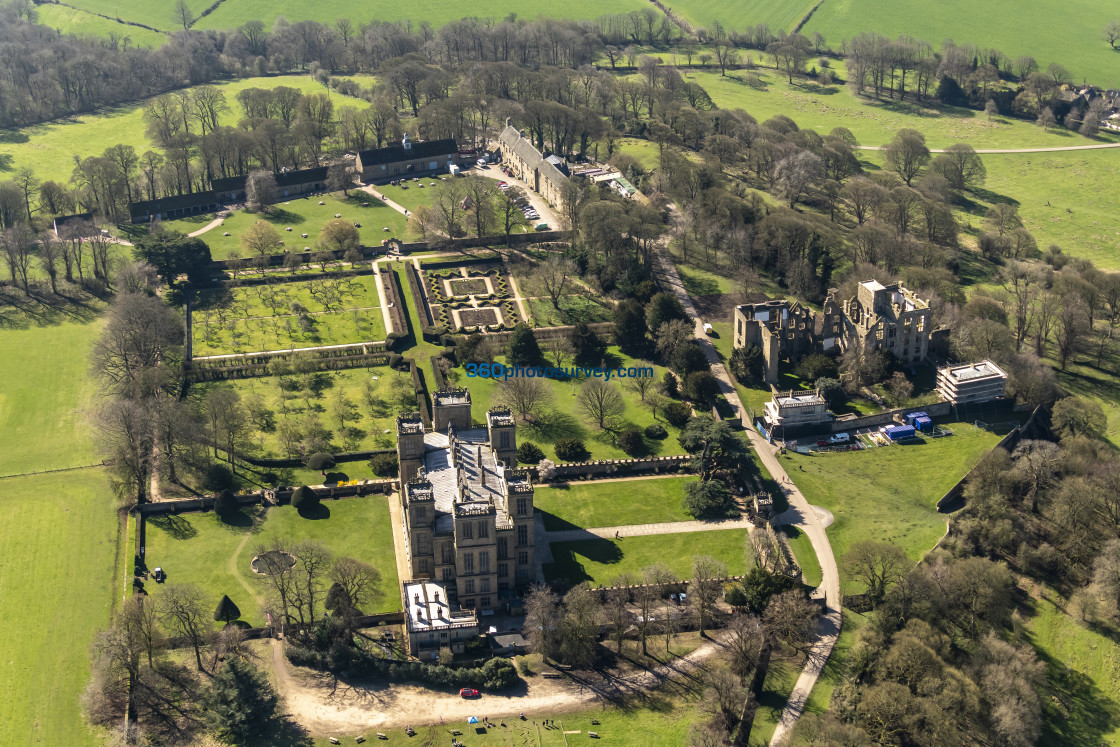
x=888 y=493
x=46 y=398
x=201 y=549
x=805 y=555
x=47 y=148
x=834 y=670
x=69 y=20
x=612 y=503
x=58 y=582
x=600 y=561
x=872 y=122
x=1082 y=669
x=1051 y=31
x=304 y=215
x=253 y=318
x=573 y=310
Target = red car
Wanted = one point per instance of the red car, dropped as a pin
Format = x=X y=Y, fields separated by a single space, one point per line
x=467 y=692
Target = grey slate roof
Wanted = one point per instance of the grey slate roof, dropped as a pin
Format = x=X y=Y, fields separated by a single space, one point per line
x=511 y=139
x=420 y=149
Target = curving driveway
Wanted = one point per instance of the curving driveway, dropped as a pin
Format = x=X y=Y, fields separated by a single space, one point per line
x=800 y=513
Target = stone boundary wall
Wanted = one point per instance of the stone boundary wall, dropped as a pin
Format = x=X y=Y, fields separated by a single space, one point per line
x=514 y=239
x=280 y=497
x=601 y=468
x=937 y=409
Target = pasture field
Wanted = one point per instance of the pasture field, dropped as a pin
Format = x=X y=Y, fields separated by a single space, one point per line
x=46 y=398
x=608 y=504
x=600 y=561
x=1082 y=669
x=201 y=549
x=873 y=121
x=47 y=148
x=236 y=12
x=67 y=20
x=781 y=15
x=58 y=582
x=1068 y=33
x=371 y=399
x=888 y=493
x=305 y=216
x=291 y=315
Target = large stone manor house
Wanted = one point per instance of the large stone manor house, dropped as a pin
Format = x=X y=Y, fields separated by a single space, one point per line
x=467 y=511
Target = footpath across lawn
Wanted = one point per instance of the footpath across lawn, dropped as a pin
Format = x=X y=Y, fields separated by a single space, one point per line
x=201 y=549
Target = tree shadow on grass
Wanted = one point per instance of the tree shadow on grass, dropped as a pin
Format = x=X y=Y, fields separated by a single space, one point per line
x=555 y=425
x=176 y=527
x=281 y=731
x=237 y=520
x=316 y=512
x=280 y=215
x=567 y=565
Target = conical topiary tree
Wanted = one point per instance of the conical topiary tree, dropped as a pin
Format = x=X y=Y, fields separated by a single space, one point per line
x=225 y=504
x=304 y=498
x=321 y=462
x=226 y=611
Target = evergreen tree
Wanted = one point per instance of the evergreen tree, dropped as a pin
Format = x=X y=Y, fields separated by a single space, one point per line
x=523 y=347
x=226 y=611
x=240 y=702
x=588 y=348
x=664 y=307
x=630 y=326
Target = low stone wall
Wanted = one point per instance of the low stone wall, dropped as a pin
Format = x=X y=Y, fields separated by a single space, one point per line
x=601 y=468
x=280 y=496
x=935 y=410
x=514 y=239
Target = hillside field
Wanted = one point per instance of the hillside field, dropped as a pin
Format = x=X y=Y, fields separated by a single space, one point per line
x=781 y=15
x=69 y=20
x=1049 y=30
x=48 y=148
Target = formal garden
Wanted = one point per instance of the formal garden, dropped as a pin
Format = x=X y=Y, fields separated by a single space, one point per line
x=324 y=308
x=470 y=298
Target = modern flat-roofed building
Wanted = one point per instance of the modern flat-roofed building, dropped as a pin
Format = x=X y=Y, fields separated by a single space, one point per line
x=432 y=623
x=971 y=383
x=407 y=158
x=467 y=511
x=800 y=409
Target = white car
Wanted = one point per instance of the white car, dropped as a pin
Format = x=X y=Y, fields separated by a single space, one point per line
x=840 y=438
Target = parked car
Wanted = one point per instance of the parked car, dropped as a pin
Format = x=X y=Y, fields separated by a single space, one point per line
x=541 y=227
x=840 y=438
x=159 y=575
x=467 y=692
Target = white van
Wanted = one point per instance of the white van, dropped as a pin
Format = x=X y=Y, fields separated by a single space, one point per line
x=840 y=438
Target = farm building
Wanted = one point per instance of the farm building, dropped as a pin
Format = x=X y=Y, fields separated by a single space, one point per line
x=971 y=383
x=288 y=184
x=407 y=159
x=171 y=208
x=74 y=226
x=468 y=513
x=783 y=329
x=526 y=162
x=432 y=624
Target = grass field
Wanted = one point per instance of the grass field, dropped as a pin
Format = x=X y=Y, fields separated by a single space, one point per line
x=68 y=20
x=303 y=215
x=873 y=122
x=1082 y=669
x=47 y=148
x=573 y=310
x=1051 y=31
x=45 y=398
x=201 y=549
x=58 y=583
x=781 y=15
x=888 y=493
x=600 y=561
x=260 y=317
x=612 y=503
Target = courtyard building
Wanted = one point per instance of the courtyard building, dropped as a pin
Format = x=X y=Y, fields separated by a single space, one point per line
x=432 y=624
x=971 y=383
x=467 y=510
x=890 y=318
x=174 y=207
x=407 y=159
x=541 y=173
x=783 y=329
x=289 y=183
